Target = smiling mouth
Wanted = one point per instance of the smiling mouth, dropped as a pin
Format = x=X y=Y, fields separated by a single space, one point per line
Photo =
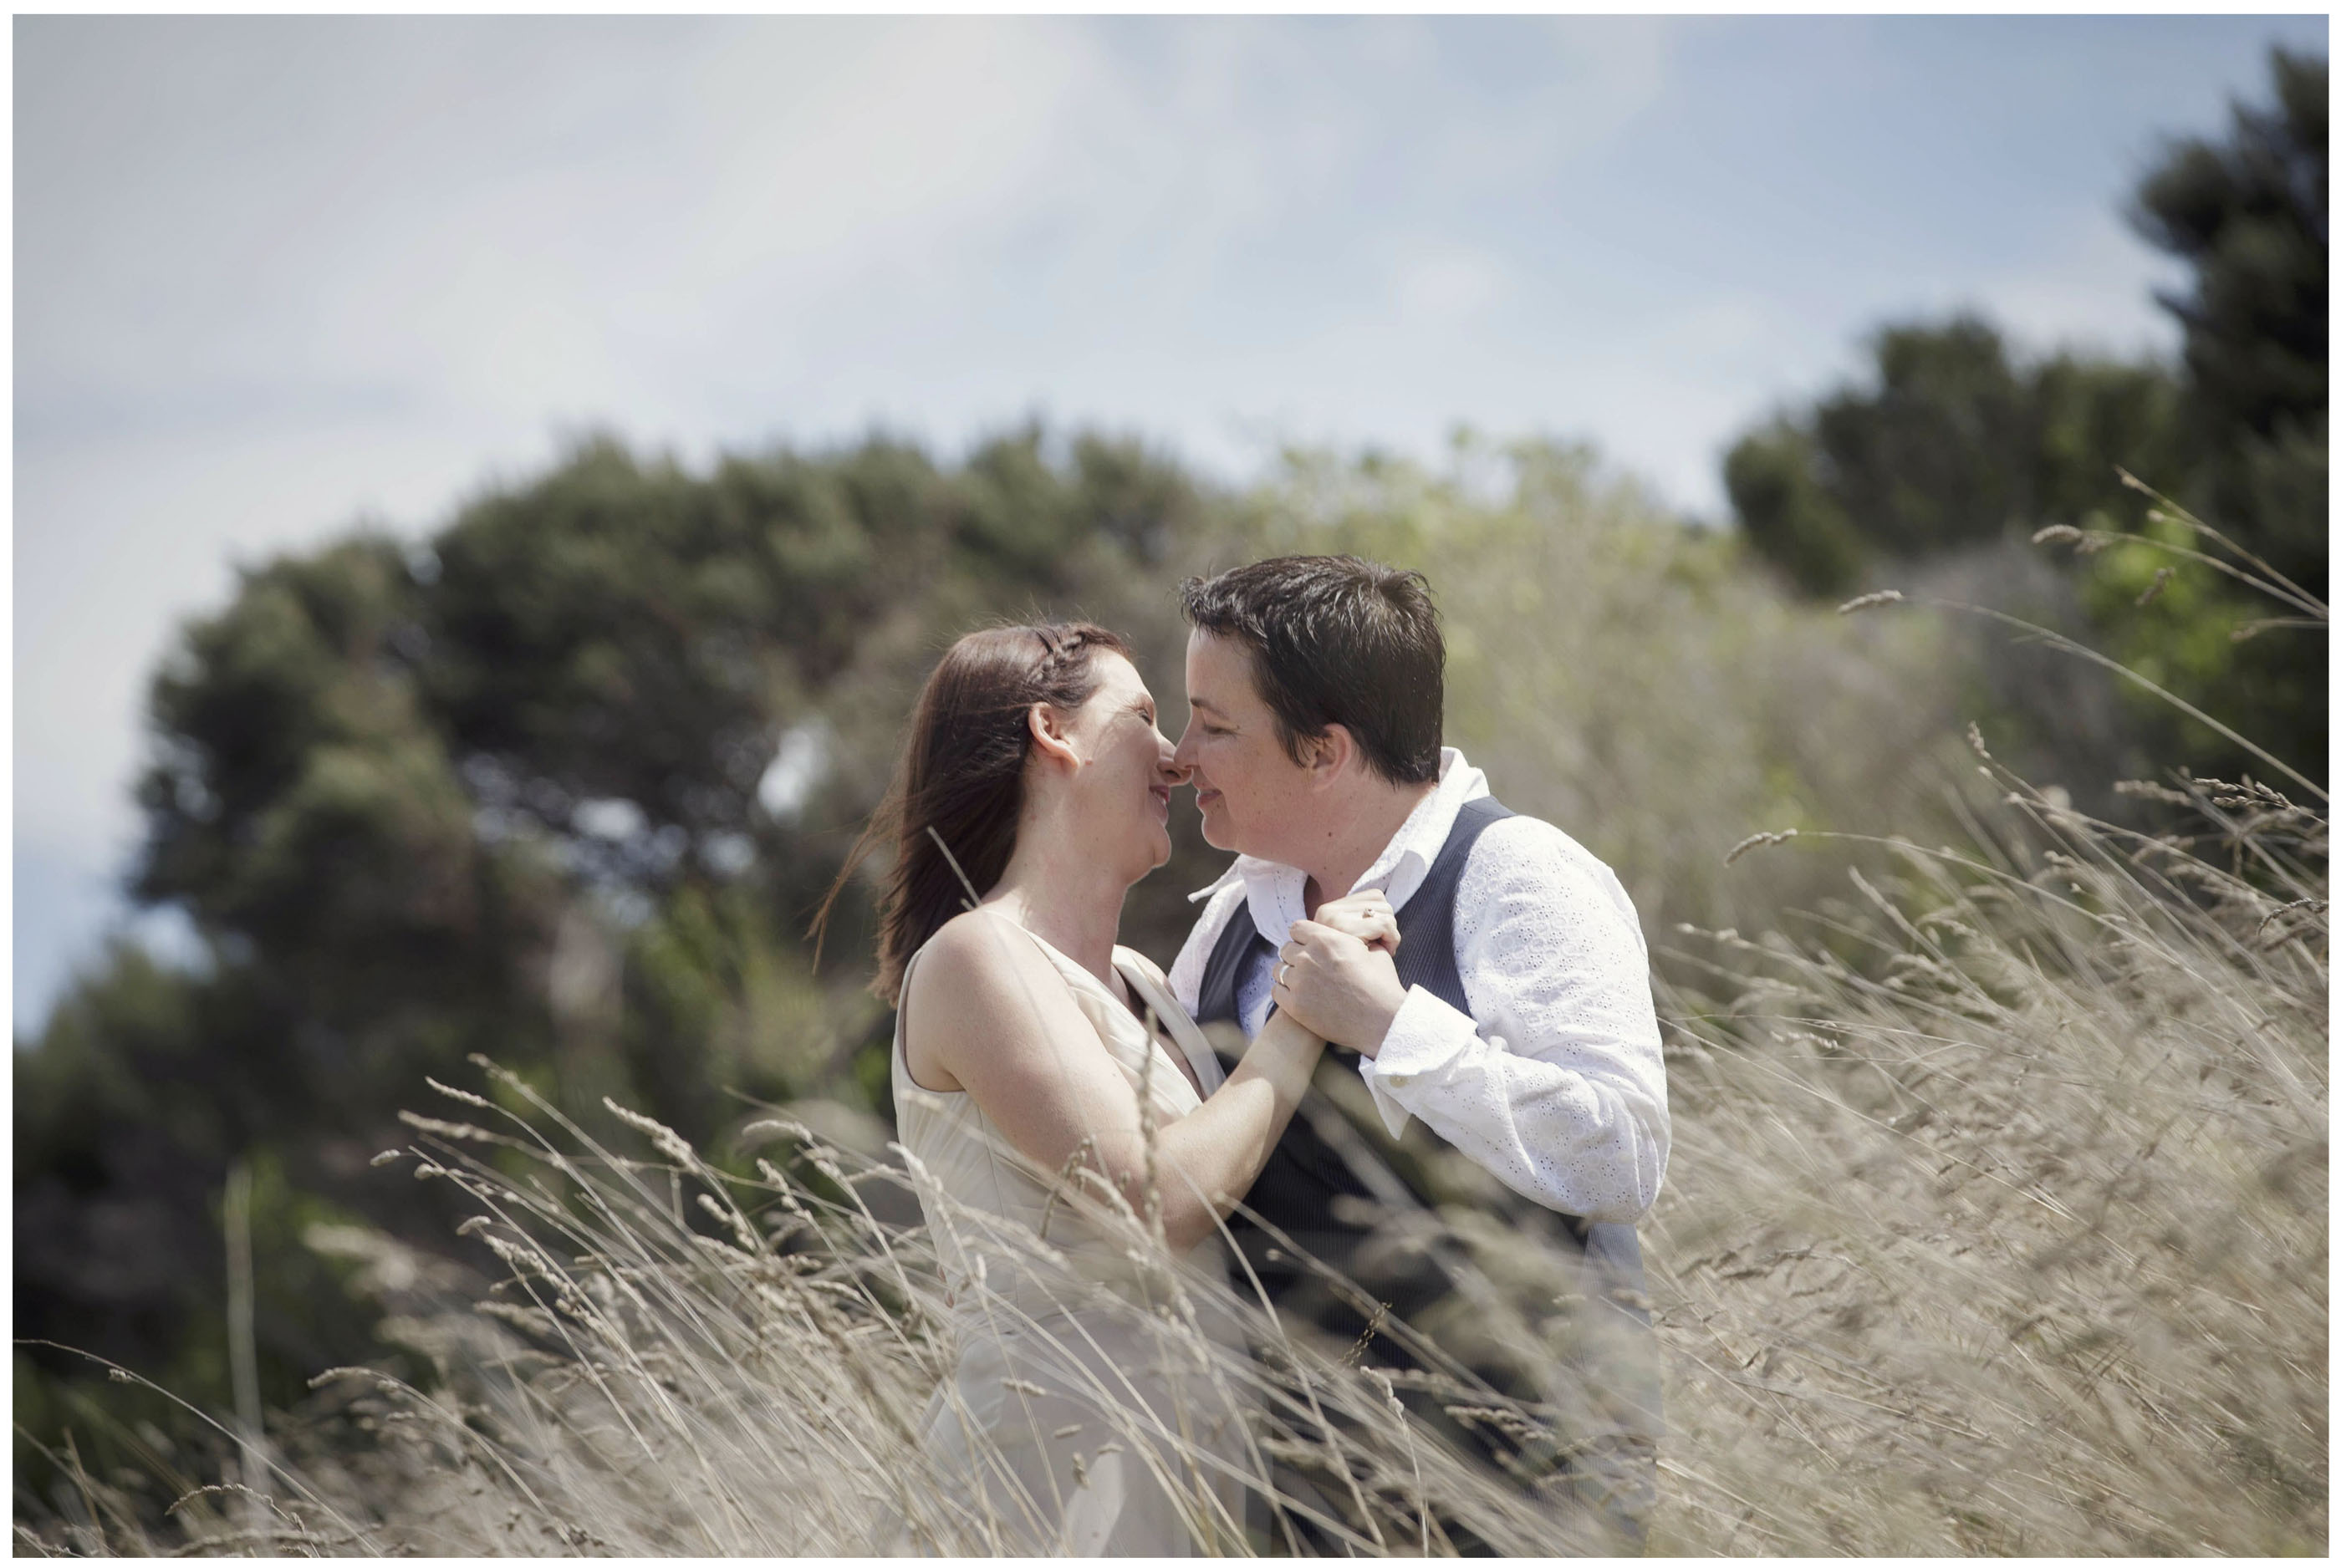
x=1204 y=798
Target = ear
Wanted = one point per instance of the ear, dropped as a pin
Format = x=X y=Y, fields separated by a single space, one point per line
x=1047 y=723
x=1329 y=756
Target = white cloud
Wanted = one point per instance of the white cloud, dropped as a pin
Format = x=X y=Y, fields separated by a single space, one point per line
x=1447 y=282
x=1591 y=77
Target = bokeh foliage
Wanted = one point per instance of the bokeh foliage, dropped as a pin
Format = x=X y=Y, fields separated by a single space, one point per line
x=513 y=790
x=1955 y=442
x=500 y=793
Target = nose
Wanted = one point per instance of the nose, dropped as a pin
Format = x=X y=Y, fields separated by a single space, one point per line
x=1171 y=759
x=1183 y=757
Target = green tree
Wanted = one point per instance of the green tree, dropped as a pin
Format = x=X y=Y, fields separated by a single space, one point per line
x=2249 y=217
x=1952 y=442
x=498 y=792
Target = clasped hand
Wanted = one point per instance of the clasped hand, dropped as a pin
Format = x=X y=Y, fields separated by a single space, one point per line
x=1337 y=975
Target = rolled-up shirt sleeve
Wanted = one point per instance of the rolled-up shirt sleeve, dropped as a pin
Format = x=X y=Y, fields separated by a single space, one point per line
x=1560 y=1089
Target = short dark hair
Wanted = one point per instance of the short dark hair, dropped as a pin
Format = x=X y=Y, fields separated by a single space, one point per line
x=1336 y=639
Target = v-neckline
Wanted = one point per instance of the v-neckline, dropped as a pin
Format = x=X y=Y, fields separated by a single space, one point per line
x=1162 y=1034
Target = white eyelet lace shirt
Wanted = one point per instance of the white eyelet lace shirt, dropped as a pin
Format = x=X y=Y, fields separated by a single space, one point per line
x=1553 y=1082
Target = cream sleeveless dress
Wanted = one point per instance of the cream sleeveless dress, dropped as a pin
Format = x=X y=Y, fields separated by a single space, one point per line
x=1077 y=1419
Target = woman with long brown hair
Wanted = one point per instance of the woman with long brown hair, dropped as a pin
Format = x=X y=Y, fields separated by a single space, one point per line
x=1034 y=791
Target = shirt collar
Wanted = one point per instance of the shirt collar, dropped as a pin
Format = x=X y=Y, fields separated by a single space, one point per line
x=1406 y=860
x=1275 y=890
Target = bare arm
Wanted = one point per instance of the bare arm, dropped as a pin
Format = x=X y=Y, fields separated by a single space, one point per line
x=987 y=1013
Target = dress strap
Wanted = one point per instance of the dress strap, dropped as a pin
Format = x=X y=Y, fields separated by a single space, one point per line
x=1140 y=977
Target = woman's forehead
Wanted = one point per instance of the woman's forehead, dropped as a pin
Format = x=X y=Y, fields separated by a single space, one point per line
x=1118 y=675
x=1220 y=670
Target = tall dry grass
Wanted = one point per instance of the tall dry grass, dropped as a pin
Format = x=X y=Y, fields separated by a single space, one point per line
x=1997 y=1216
x=1997 y=1224
x=680 y=1360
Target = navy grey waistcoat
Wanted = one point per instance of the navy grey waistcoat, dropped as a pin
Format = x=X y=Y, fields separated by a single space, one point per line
x=1322 y=1160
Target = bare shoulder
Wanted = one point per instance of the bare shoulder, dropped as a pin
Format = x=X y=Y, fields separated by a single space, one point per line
x=981 y=998
x=991 y=1011
x=978 y=957
x=984 y=977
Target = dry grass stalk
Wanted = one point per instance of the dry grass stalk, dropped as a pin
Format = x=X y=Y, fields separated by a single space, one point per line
x=1997 y=1225
x=1997 y=1217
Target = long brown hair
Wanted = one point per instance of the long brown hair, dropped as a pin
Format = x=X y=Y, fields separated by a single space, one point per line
x=961 y=778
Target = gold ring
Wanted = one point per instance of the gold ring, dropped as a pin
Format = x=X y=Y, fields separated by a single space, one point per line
x=1281 y=970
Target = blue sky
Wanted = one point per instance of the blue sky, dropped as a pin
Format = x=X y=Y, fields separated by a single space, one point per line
x=276 y=274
